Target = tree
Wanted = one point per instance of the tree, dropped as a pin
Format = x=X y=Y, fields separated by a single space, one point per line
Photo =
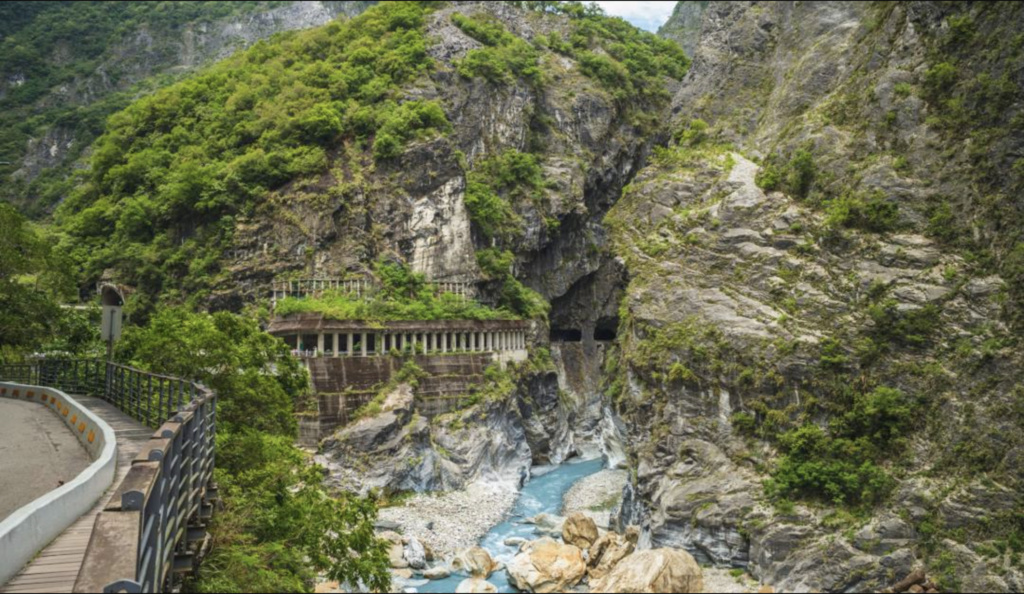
x=280 y=528
x=32 y=281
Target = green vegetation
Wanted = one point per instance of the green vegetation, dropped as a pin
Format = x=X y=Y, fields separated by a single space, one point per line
x=870 y=211
x=495 y=184
x=907 y=328
x=175 y=169
x=794 y=177
x=47 y=45
x=34 y=281
x=279 y=527
x=503 y=56
x=628 y=62
x=404 y=295
x=841 y=465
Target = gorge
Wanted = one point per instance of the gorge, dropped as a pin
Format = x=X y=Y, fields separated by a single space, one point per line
x=755 y=284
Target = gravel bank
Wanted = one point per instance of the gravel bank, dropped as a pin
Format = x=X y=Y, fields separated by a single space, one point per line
x=720 y=580
x=597 y=495
x=458 y=519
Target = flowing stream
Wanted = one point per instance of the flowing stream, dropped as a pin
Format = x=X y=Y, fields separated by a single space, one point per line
x=542 y=494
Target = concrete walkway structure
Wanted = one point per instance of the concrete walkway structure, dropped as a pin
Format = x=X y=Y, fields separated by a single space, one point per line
x=32 y=433
x=136 y=519
x=56 y=567
x=313 y=335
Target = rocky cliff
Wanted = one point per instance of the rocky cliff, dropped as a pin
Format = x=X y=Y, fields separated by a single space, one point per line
x=822 y=290
x=684 y=25
x=784 y=290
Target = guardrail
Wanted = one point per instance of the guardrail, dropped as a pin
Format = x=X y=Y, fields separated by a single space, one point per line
x=153 y=526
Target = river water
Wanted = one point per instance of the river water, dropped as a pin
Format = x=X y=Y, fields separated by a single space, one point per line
x=542 y=494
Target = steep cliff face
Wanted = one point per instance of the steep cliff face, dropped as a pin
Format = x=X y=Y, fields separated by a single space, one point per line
x=804 y=272
x=68 y=67
x=684 y=25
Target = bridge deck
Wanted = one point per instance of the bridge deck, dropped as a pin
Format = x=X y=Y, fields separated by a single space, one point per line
x=55 y=568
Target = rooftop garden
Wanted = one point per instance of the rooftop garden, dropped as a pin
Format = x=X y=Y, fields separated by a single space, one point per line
x=403 y=295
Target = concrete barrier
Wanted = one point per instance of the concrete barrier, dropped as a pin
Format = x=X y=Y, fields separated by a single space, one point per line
x=33 y=526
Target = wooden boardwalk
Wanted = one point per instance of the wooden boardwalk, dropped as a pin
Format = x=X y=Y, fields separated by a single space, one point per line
x=55 y=568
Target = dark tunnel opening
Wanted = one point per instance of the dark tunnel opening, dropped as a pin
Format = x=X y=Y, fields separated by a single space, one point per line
x=566 y=335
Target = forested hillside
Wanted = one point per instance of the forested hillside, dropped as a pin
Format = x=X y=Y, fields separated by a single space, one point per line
x=66 y=66
x=768 y=264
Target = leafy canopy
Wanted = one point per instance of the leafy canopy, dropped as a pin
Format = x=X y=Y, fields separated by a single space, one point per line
x=279 y=528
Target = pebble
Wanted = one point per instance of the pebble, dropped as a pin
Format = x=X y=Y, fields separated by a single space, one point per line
x=456 y=520
x=595 y=491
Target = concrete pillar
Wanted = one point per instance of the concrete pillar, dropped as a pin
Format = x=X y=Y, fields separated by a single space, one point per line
x=320 y=344
x=401 y=342
x=363 y=345
x=348 y=344
x=444 y=342
x=337 y=345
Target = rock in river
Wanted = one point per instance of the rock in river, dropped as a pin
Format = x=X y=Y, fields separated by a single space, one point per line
x=658 y=570
x=579 y=531
x=547 y=566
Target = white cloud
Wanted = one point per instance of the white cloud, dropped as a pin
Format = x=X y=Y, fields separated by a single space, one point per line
x=646 y=15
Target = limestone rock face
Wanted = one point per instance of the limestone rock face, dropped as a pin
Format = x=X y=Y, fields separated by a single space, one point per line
x=656 y=570
x=745 y=289
x=400 y=450
x=547 y=566
x=579 y=530
x=684 y=25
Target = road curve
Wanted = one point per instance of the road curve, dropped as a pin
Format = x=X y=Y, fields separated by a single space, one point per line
x=37 y=453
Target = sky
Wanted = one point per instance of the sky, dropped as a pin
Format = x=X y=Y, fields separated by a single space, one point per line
x=646 y=15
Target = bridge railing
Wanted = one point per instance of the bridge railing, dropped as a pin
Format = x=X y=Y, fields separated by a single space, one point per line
x=154 y=524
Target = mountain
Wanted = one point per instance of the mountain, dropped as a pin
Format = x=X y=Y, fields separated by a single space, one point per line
x=66 y=66
x=683 y=26
x=825 y=297
x=774 y=262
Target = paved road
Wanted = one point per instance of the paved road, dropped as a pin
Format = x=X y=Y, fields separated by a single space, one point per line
x=37 y=451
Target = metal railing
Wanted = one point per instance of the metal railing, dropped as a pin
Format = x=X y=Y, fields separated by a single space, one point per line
x=153 y=526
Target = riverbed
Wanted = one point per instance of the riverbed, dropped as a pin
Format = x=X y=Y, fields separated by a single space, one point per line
x=543 y=493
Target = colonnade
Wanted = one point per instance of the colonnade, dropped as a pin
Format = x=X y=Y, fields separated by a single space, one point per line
x=365 y=344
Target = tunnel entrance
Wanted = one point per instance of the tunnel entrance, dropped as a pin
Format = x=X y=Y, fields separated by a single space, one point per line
x=606 y=329
x=566 y=334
